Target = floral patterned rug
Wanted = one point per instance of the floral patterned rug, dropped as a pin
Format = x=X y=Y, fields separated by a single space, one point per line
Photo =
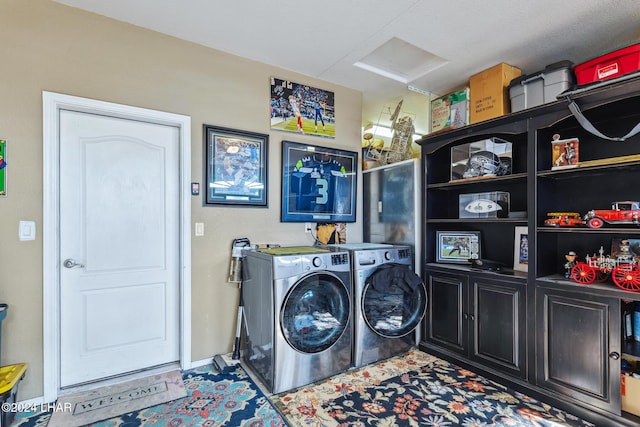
x=228 y=398
x=415 y=389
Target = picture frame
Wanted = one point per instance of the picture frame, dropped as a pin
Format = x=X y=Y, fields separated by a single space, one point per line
x=458 y=246
x=236 y=168
x=318 y=183
x=521 y=249
x=300 y=108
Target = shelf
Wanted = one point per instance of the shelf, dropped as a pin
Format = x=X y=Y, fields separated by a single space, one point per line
x=587 y=230
x=477 y=220
x=631 y=348
x=476 y=181
x=592 y=170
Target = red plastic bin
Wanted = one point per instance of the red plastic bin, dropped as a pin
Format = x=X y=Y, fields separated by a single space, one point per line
x=608 y=66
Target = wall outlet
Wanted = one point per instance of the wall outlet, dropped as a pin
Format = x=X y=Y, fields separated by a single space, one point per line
x=308 y=227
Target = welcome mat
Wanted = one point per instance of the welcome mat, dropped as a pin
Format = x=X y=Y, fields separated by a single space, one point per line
x=107 y=402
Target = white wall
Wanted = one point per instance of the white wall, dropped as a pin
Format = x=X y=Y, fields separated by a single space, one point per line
x=47 y=46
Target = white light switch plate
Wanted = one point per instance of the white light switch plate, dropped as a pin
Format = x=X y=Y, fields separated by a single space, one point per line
x=27 y=230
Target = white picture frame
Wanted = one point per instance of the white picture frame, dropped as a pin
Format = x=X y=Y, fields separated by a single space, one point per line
x=521 y=249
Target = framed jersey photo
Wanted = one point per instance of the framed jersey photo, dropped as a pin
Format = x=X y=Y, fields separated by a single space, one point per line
x=318 y=183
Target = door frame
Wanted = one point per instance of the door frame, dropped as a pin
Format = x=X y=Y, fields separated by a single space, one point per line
x=52 y=103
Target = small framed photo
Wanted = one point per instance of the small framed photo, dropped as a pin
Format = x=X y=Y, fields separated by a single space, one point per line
x=235 y=167
x=521 y=249
x=457 y=246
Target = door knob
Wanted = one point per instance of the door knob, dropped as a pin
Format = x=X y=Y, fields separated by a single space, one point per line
x=69 y=263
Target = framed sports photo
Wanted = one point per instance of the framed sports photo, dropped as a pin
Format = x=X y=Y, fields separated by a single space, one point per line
x=235 y=167
x=457 y=246
x=521 y=249
x=300 y=108
x=318 y=183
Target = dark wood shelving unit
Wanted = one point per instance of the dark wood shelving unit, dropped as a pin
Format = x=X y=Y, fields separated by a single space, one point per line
x=549 y=336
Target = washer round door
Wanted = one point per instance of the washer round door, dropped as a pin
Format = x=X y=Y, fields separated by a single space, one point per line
x=395 y=312
x=315 y=313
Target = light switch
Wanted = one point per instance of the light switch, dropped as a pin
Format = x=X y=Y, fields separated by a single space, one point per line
x=199 y=228
x=27 y=230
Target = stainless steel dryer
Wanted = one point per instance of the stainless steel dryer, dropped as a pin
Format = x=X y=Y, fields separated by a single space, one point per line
x=297 y=305
x=389 y=300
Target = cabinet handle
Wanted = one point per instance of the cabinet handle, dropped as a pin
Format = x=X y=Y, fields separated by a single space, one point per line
x=472 y=317
x=466 y=316
x=614 y=355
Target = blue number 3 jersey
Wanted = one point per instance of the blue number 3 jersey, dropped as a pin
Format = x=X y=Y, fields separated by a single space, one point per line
x=320 y=185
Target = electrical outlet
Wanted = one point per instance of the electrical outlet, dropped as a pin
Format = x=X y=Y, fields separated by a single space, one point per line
x=308 y=226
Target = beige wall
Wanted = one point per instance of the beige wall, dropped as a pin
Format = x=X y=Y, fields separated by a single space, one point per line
x=45 y=46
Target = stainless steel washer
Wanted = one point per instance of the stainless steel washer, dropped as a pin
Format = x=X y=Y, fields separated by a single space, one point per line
x=387 y=311
x=297 y=304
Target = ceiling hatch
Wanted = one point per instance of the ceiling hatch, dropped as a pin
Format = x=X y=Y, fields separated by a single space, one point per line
x=401 y=61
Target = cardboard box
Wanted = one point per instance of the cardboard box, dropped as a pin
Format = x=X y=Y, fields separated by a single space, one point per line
x=489 y=94
x=450 y=111
x=630 y=392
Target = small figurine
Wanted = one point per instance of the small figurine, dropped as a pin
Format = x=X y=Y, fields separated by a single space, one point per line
x=571 y=261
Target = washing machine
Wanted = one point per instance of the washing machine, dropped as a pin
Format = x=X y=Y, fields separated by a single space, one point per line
x=297 y=305
x=389 y=300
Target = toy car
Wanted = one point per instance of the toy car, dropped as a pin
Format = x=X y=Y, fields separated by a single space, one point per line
x=563 y=219
x=627 y=212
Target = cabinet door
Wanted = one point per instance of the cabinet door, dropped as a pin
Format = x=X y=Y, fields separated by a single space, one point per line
x=445 y=323
x=578 y=346
x=499 y=325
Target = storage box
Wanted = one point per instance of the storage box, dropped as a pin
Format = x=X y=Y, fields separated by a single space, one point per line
x=484 y=158
x=541 y=87
x=610 y=65
x=484 y=205
x=489 y=94
x=630 y=392
x=10 y=377
x=450 y=111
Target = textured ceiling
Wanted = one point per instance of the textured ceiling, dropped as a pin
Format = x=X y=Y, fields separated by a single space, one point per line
x=332 y=39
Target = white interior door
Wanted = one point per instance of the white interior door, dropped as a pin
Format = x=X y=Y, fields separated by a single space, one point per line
x=119 y=246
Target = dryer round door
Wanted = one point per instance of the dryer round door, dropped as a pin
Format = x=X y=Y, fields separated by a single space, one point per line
x=394 y=312
x=315 y=313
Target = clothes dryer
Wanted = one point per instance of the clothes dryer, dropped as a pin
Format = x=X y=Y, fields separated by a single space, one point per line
x=389 y=300
x=297 y=304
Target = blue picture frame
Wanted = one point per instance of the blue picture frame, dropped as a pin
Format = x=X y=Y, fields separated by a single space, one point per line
x=318 y=183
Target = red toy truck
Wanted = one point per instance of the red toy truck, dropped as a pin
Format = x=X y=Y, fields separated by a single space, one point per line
x=626 y=212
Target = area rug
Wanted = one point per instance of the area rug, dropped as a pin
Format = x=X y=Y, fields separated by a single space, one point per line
x=227 y=398
x=415 y=389
x=87 y=407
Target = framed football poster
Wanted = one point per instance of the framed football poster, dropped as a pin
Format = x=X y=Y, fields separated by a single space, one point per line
x=318 y=184
x=235 y=167
x=296 y=107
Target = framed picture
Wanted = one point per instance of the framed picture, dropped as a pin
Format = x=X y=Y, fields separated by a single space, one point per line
x=318 y=183
x=235 y=167
x=521 y=249
x=300 y=108
x=457 y=246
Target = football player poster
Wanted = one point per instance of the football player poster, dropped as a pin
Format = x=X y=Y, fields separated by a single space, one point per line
x=295 y=107
x=318 y=184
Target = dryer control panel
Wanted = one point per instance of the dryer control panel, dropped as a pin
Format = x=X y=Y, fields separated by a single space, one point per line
x=371 y=258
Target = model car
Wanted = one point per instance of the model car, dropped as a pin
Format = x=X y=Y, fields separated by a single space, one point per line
x=563 y=219
x=627 y=212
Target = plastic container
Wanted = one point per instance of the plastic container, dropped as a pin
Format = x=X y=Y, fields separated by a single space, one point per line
x=3 y=314
x=541 y=87
x=610 y=65
x=10 y=377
